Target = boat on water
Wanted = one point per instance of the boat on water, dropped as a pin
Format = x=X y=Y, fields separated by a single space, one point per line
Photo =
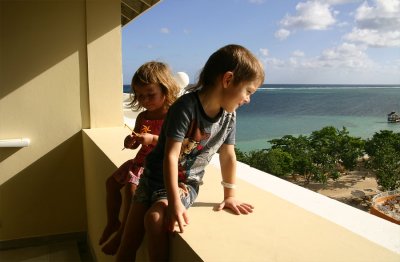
x=393 y=117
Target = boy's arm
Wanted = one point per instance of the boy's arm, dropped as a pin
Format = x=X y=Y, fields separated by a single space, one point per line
x=176 y=210
x=227 y=159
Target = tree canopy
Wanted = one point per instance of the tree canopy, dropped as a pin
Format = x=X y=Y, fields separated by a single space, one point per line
x=325 y=153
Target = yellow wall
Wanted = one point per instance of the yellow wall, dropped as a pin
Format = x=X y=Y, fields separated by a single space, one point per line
x=278 y=230
x=55 y=57
x=98 y=167
x=104 y=62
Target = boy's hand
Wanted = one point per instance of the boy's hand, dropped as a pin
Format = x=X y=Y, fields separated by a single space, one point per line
x=236 y=206
x=176 y=213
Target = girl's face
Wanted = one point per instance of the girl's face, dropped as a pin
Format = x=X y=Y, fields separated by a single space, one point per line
x=150 y=96
x=236 y=96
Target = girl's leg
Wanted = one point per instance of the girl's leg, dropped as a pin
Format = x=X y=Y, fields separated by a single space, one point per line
x=113 y=201
x=133 y=233
x=111 y=247
x=156 y=232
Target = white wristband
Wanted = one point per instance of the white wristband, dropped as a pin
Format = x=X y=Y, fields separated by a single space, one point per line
x=228 y=185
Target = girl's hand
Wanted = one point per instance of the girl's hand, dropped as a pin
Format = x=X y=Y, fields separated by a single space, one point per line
x=144 y=139
x=176 y=213
x=130 y=141
x=236 y=206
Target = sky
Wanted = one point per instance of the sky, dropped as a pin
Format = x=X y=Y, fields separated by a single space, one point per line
x=299 y=42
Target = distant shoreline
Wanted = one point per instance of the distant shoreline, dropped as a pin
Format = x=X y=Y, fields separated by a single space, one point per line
x=127 y=87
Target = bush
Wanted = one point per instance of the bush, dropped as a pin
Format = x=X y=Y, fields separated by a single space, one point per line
x=316 y=158
x=301 y=153
x=279 y=163
x=322 y=155
x=384 y=152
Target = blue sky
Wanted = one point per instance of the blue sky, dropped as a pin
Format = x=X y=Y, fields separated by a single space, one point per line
x=299 y=42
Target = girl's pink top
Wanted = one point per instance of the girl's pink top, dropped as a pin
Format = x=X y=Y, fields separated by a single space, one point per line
x=131 y=170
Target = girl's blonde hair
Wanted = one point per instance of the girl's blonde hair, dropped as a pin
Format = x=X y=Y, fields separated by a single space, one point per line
x=234 y=58
x=154 y=73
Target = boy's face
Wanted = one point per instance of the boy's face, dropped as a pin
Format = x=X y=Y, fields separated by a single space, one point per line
x=236 y=96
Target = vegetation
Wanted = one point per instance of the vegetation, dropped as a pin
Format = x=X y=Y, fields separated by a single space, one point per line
x=326 y=153
x=384 y=152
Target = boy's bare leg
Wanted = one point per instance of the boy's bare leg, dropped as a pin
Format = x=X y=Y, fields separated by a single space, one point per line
x=113 y=201
x=111 y=247
x=133 y=233
x=156 y=232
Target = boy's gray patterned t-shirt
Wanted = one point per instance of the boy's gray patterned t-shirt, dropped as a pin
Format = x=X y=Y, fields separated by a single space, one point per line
x=201 y=137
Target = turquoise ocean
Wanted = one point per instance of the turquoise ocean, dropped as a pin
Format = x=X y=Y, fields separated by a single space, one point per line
x=276 y=110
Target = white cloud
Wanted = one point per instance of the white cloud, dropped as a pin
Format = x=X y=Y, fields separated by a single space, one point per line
x=347 y=56
x=282 y=34
x=338 y=2
x=264 y=51
x=164 y=30
x=342 y=24
x=385 y=15
x=374 y=38
x=274 y=62
x=311 y=15
x=346 y=63
x=298 y=53
x=377 y=25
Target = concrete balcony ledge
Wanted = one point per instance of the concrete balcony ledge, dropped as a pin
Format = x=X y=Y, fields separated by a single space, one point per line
x=289 y=223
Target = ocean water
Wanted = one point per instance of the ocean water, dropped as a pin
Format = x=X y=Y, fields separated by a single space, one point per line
x=278 y=110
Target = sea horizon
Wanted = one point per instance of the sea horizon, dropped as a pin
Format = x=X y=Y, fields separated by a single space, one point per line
x=276 y=110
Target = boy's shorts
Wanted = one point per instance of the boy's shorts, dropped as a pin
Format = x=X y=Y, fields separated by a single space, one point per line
x=147 y=195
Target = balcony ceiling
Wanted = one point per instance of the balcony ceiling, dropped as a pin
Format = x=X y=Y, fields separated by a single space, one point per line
x=130 y=9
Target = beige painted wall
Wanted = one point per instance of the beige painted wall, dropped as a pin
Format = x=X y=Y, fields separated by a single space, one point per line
x=98 y=167
x=278 y=230
x=105 y=62
x=55 y=56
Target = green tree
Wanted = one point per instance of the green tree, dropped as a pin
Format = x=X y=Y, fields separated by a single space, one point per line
x=301 y=152
x=316 y=158
x=384 y=138
x=273 y=161
x=384 y=152
x=278 y=162
x=240 y=155
x=257 y=159
x=326 y=147
x=351 y=149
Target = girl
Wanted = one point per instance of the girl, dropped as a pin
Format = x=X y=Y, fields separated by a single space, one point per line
x=197 y=125
x=154 y=89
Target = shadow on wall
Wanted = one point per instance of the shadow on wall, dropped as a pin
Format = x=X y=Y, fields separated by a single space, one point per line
x=40 y=201
x=6 y=152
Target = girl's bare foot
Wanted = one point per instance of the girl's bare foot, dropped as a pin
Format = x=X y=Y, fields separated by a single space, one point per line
x=108 y=231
